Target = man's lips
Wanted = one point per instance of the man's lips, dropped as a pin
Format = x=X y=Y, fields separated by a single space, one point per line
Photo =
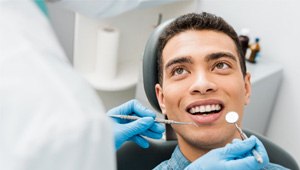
x=205 y=118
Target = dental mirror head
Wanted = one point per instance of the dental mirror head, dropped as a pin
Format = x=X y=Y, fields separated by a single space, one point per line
x=232 y=117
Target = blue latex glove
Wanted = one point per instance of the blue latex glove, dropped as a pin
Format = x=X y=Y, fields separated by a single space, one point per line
x=125 y=130
x=235 y=156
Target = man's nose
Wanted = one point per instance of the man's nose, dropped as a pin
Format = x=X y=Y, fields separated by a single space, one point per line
x=202 y=84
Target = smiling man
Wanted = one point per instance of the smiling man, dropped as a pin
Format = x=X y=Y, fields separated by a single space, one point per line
x=202 y=76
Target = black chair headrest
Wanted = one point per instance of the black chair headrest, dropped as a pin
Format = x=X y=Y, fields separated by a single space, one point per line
x=150 y=76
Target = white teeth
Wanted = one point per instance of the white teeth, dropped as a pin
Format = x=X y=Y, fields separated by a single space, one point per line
x=202 y=109
x=205 y=108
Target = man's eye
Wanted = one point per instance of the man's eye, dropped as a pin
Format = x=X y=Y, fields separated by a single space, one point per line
x=222 y=66
x=179 y=71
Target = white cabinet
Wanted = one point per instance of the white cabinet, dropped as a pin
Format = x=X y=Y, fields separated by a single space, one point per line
x=265 y=79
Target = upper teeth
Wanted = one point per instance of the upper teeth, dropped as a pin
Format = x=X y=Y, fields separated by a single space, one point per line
x=205 y=108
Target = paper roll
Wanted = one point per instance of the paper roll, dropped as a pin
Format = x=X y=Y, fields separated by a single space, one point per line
x=107 y=53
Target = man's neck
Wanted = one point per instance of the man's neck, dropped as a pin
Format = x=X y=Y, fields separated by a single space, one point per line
x=191 y=153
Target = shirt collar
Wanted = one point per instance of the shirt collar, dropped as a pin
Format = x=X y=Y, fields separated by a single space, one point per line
x=177 y=160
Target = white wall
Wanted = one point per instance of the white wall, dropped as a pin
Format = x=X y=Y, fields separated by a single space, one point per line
x=277 y=23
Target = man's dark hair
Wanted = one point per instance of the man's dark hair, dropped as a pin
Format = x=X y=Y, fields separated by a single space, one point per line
x=194 y=21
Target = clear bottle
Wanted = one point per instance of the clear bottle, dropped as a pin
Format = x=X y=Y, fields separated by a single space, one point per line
x=254 y=50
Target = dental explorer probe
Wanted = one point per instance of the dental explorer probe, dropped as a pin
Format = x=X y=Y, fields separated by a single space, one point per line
x=128 y=117
x=232 y=118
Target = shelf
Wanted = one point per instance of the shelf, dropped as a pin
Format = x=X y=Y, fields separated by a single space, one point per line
x=135 y=27
x=127 y=77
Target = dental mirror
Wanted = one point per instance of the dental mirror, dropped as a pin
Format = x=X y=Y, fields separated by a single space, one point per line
x=232 y=117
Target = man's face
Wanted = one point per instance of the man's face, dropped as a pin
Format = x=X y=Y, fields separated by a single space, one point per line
x=202 y=81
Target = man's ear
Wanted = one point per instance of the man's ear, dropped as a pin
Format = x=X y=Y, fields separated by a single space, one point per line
x=247 y=88
x=160 y=98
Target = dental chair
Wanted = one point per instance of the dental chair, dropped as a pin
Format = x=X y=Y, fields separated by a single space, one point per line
x=132 y=157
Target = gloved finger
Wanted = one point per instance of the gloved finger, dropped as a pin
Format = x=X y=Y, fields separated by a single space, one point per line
x=235 y=150
x=121 y=121
x=156 y=131
x=138 y=109
x=153 y=135
x=259 y=147
x=157 y=128
x=132 y=107
x=138 y=126
x=244 y=155
x=247 y=163
x=142 y=142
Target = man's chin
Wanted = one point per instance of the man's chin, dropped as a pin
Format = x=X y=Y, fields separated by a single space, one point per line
x=204 y=143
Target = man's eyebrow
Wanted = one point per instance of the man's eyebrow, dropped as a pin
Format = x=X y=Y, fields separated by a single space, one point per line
x=178 y=60
x=215 y=56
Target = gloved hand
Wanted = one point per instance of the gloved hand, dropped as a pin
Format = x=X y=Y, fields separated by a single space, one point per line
x=235 y=156
x=125 y=130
